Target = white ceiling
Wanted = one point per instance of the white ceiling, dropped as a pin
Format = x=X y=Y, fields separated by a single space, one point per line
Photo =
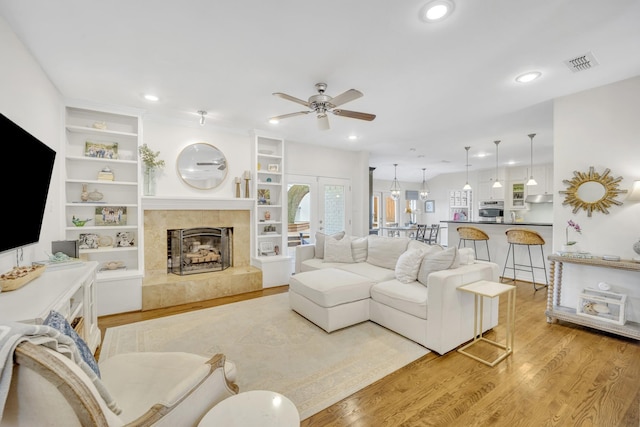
x=435 y=88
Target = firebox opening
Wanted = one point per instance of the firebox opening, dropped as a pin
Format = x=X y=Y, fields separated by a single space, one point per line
x=199 y=250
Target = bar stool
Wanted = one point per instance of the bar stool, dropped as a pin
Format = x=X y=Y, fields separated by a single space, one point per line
x=528 y=238
x=474 y=234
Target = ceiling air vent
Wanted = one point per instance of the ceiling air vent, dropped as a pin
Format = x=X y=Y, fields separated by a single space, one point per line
x=582 y=62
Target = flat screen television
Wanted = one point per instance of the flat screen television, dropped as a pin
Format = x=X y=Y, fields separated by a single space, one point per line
x=25 y=177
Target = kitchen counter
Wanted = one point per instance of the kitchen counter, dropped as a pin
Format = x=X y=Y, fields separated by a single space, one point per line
x=498 y=245
x=514 y=224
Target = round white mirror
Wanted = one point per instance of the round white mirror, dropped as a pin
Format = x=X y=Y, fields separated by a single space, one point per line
x=202 y=166
x=591 y=191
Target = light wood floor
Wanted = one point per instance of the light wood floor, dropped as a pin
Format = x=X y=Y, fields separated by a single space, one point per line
x=559 y=375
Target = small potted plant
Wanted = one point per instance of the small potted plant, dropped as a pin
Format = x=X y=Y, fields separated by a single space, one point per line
x=151 y=164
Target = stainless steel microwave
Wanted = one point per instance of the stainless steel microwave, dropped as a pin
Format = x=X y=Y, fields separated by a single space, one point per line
x=489 y=210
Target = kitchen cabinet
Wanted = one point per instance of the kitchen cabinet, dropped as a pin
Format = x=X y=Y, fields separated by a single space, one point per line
x=543 y=175
x=486 y=191
x=516 y=195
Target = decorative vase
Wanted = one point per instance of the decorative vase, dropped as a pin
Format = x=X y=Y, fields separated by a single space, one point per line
x=95 y=196
x=569 y=248
x=84 y=196
x=149 y=184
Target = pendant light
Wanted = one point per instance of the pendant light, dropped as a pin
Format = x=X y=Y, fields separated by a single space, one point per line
x=395 y=185
x=531 y=180
x=497 y=184
x=424 y=190
x=467 y=186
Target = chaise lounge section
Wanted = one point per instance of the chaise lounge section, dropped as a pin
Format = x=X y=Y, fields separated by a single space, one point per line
x=404 y=285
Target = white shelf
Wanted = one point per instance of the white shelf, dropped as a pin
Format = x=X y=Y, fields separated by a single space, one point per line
x=123 y=130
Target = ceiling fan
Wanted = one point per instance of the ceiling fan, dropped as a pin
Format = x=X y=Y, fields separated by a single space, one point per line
x=322 y=104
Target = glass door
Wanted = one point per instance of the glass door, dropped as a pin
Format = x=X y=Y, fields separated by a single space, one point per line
x=334 y=207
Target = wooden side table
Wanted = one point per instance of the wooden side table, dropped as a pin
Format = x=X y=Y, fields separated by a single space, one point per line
x=255 y=408
x=486 y=288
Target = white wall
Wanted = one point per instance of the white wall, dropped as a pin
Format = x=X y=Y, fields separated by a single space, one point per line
x=29 y=99
x=600 y=128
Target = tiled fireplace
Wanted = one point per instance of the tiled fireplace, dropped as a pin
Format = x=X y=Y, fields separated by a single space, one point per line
x=161 y=288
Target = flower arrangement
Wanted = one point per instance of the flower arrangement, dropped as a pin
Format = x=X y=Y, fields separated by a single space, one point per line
x=576 y=227
x=150 y=157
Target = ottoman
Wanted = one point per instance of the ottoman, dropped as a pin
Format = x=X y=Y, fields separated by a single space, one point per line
x=331 y=298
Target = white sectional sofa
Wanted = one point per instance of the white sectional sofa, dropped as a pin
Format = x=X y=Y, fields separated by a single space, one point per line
x=404 y=285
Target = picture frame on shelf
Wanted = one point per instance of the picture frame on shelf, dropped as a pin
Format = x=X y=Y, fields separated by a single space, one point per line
x=101 y=150
x=430 y=206
x=111 y=215
x=267 y=248
x=264 y=196
x=273 y=167
x=124 y=239
x=88 y=241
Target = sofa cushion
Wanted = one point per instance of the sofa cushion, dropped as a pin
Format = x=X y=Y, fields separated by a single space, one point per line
x=337 y=250
x=410 y=298
x=359 y=248
x=385 y=251
x=441 y=260
x=466 y=256
x=320 y=239
x=317 y=264
x=373 y=272
x=425 y=247
x=408 y=265
x=329 y=287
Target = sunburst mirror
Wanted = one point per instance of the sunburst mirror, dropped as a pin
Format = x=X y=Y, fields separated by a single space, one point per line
x=591 y=191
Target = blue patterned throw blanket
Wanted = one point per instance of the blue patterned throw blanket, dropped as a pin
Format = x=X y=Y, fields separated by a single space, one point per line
x=13 y=333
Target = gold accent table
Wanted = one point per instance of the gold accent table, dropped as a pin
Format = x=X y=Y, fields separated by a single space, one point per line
x=486 y=288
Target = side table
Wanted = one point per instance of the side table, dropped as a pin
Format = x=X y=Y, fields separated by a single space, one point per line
x=486 y=288
x=255 y=408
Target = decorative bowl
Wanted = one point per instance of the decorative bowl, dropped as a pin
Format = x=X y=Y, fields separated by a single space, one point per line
x=80 y=222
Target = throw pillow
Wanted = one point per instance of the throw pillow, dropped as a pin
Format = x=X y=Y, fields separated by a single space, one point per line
x=320 y=238
x=337 y=250
x=442 y=260
x=385 y=251
x=58 y=322
x=466 y=256
x=408 y=265
x=359 y=249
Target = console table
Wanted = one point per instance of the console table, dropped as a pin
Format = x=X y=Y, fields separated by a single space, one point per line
x=71 y=291
x=557 y=312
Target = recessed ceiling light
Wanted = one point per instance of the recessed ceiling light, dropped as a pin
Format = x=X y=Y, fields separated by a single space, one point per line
x=274 y=121
x=436 y=10
x=528 y=77
x=150 y=97
x=353 y=137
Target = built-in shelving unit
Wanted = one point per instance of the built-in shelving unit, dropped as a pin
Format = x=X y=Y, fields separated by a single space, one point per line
x=270 y=211
x=102 y=185
x=461 y=205
x=70 y=291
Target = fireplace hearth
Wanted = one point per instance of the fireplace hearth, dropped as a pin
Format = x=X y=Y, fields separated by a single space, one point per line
x=199 y=250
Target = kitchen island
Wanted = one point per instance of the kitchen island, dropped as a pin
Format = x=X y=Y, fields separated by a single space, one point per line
x=498 y=245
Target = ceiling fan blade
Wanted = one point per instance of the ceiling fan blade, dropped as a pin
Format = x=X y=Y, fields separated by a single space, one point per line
x=284 y=116
x=323 y=122
x=354 y=114
x=345 y=97
x=291 y=98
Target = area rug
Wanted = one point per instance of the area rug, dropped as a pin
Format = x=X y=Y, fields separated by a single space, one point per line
x=275 y=349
